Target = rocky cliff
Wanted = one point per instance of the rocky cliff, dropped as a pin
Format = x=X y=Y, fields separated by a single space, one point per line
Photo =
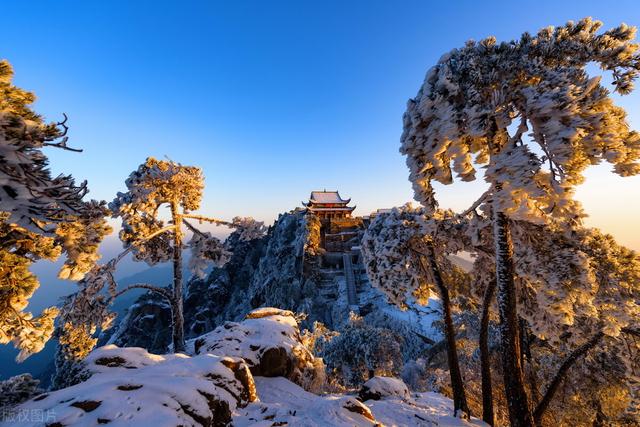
x=286 y=269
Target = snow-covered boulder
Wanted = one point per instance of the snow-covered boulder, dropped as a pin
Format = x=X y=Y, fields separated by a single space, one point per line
x=268 y=339
x=129 y=386
x=380 y=387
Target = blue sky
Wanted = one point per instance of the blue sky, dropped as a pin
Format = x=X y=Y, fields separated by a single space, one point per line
x=272 y=99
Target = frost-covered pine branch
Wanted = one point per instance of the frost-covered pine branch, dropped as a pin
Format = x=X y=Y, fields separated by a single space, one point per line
x=41 y=216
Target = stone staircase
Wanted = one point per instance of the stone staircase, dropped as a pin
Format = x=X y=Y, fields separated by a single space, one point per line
x=350 y=279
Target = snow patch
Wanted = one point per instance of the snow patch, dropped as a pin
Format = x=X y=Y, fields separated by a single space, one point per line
x=284 y=402
x=423 y=410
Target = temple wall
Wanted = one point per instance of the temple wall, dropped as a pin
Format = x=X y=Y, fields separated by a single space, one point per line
x=337 y=225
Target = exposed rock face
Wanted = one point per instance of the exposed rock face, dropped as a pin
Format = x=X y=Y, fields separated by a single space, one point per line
x=279 y=270
x=380 y=387
x=223 y=294
x=269 y=341
x=207 y=303
x=130 y=386
x=287 y=274
x=145 y=325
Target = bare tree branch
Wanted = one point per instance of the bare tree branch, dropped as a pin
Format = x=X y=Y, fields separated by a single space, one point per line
x=192 y=228
x=63 y=143
x=208 y=219
x=124 y=253
x=151 y=288
x=522 y=128
x=477 y=203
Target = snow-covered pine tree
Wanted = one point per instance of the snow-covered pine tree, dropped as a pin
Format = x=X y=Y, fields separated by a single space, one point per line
x=360 y=352
x=402 y=260
x=41 y=216
x=474 y=108
x=16 y=390
x=595 y=294
x=576 y=295
x=155 y=184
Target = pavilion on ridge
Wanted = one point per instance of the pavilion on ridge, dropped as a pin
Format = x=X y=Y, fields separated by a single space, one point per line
x=329 y=205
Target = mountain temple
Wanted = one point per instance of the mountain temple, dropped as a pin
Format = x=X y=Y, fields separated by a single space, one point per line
x=339 y=230
x=329 y=205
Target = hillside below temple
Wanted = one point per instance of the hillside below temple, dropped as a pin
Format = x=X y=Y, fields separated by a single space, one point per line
x=340 y=236
x=307 y=263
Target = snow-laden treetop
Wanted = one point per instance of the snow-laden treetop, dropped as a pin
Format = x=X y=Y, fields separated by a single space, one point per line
x=478 y=101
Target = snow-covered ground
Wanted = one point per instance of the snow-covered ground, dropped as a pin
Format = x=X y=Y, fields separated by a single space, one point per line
x=129 y=386
x=423 y=409
x=248 y=373
x=132 y=387
x=282 y=401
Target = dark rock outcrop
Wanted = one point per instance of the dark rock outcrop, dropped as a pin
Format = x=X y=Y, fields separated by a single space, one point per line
x=145 y=325
x=280 y=270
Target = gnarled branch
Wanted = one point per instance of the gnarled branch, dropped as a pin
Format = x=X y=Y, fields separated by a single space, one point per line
x=124 y=253
x=209 y=219
x=477 y=203
x=192 y=228
x=63 y=143
x=146 y=286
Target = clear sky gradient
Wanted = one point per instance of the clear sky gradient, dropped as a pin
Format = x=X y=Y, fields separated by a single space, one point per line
x=272 y=99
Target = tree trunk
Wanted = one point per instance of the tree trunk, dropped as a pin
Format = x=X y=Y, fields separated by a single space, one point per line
x=530 y=374
x=177 y=306
x=524 y=345
x=517 y=400
x=600 y=418
x=457 y=386
x=561 y=374
x=485 y=357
